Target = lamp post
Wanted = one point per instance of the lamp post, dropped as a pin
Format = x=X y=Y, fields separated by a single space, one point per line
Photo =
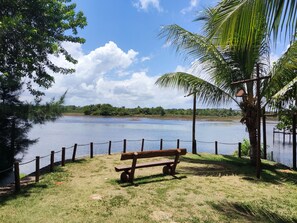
x=194 y=145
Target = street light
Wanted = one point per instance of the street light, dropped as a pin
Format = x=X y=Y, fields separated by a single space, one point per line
x=194 y=146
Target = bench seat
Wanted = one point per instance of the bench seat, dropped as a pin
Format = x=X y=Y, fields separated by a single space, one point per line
x=143 y=165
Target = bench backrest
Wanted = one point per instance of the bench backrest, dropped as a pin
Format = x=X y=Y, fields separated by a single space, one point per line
x=153 y=153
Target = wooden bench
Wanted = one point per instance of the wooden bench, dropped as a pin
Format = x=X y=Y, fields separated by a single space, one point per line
x=169 y=165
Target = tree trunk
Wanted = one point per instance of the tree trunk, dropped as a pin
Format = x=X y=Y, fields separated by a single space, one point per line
x=250 y=120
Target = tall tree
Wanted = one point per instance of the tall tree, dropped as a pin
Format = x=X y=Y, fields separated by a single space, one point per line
x=31 y=31
x=225 y=64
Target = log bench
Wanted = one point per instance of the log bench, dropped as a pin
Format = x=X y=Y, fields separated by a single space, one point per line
x=169 y=165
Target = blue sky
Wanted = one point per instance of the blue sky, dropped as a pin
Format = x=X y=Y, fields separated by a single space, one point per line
x=123 y=55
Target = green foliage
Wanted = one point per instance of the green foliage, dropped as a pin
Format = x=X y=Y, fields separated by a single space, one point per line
x=245 y=148
x=109 y=110
x=285 y=117
x=30 y=33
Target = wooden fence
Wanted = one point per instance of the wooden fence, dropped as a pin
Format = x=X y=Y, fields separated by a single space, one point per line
x=52 y=155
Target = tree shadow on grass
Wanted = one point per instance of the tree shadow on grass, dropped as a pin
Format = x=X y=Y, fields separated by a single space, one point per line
x=150 y=179
x=229 y=165
x=28 y=185
x=252 y=213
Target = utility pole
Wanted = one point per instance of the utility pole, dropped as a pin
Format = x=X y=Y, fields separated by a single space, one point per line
x=294 y=129
x=194 y=146
x=258 y=123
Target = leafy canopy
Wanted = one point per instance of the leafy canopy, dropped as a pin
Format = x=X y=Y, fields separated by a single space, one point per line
x=32 y=30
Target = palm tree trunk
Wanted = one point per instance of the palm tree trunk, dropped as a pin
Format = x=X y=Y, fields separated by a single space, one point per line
x=250 y=120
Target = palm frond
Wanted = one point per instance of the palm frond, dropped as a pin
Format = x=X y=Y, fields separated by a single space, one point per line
x=283 y=74
x=232 y=17
x=282 y=14
x=219 y=65
x=207 y=93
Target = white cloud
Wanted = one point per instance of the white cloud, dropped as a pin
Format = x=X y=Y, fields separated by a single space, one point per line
x=191 y=7
x=145 y=59
x=145 y=4
x=104 y=76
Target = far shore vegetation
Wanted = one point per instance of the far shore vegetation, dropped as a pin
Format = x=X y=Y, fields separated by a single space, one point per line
x=157 y=112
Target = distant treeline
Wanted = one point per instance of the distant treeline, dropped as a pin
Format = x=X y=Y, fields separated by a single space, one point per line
x=109 y=110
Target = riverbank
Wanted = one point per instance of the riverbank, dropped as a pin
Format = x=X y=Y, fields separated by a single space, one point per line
x=207 y=188
x=167 y=117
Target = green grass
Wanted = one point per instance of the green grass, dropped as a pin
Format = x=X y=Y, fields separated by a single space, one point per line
x=207 y=188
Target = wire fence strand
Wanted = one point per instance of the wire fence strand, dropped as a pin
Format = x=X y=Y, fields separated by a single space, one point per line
x=21 y=164
x=3 y=171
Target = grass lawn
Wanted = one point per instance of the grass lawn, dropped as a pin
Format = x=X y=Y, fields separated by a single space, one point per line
x=207 y=188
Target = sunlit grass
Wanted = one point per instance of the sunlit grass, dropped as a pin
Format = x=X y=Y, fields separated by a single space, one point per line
x=207 y=188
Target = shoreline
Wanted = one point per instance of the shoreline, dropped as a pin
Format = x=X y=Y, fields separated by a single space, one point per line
x=181 y=117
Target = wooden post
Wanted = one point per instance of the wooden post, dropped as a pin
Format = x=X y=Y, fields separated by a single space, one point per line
x=91 y=150
x=273 y=135
x=272 y=156
x=63 y=156
x=17 y=180
x=109 y=147
x=194 y=145
x=52 y=161
x=161 y=144
x=216 y=147
x=124 y=146
x=264 y=135
x=74 y=152
x=294 y=140
x=37 y=169
x=294 y=129
x=177 y=144
x=284 y=137
x=239 y=150
x=142 y=145
x=258 y=161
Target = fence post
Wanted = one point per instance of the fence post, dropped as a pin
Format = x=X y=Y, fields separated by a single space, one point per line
x=91 y=150
x=161 y=144
x=37 y=169
x=239 y=150
x=216 y=147
x=17 y=181
x=177 y=144
x=109 y=147
x=74 y=152
x=142 y=145
x=63 y=157
x=124 y=146
x=52 y=161
x=272 y=156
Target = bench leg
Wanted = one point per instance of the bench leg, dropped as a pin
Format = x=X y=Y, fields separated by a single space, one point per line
x=125 y=177
x=167 y=170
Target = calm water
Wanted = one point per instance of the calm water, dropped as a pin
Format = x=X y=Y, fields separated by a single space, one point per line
x=82 y=130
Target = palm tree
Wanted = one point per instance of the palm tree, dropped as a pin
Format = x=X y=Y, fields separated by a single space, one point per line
x=225 y=64
x=232 y=17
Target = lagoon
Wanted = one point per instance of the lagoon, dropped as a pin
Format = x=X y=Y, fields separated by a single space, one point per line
x=68 y=130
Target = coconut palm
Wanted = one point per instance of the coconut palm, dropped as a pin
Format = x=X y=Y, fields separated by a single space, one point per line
x=232 y=17
x=224 y=64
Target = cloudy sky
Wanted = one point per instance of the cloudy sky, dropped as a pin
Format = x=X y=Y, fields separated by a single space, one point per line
x=123 y=55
